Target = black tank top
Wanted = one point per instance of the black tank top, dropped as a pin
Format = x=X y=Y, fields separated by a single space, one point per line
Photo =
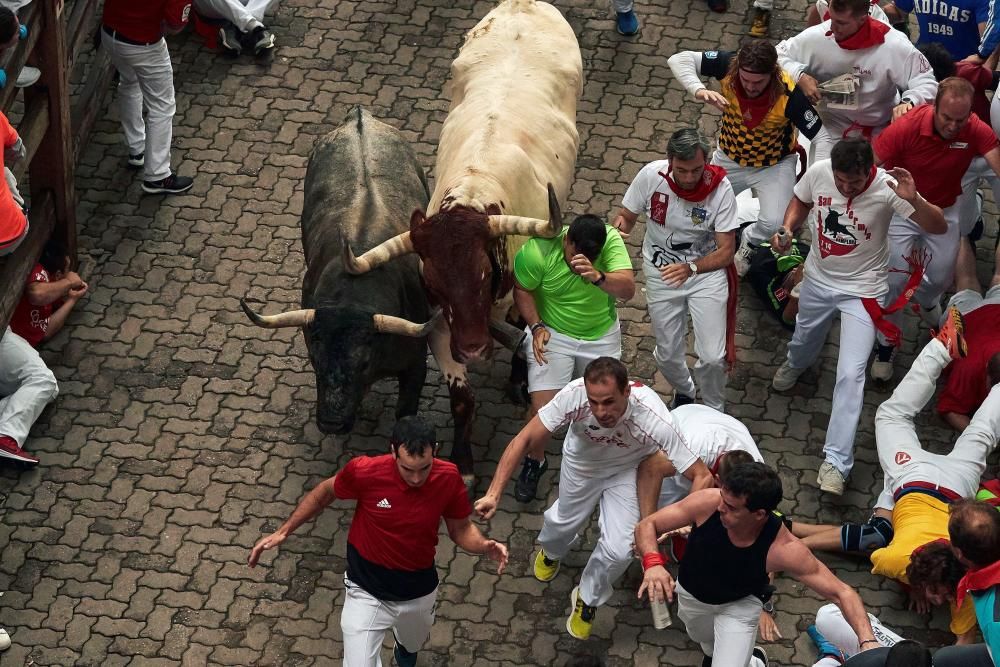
x=716 y=572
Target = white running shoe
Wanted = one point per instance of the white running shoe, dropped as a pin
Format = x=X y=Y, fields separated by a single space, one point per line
x=830 y=479
x=786 y=376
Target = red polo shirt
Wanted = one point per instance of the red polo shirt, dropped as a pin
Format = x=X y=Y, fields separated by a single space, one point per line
x=937 y=165
x=396 y=525
x=981 y=79
x=142 y=20
x=30 y=322
x=965 y=386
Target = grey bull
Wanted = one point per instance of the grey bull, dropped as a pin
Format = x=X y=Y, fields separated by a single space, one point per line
x=362 y=183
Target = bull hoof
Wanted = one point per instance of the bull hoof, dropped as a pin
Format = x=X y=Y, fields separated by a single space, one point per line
x=517 y=393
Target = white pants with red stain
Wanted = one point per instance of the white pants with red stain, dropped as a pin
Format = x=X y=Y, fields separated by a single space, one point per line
x=26 y=385
x=244 y=14
x=818 y=305
x=147 y=79
x=579 y=494
x=365 y=619
x=705 y=297
x=902 y=458
x=734 y=624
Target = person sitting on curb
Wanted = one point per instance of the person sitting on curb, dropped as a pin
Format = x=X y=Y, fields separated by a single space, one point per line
x=51 y=293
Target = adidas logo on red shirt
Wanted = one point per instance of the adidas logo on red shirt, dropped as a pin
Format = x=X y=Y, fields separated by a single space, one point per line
x=384 y=504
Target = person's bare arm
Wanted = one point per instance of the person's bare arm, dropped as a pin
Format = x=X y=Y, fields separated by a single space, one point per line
x=619 y=284
x=467 y=536
x=42 y=294
x=721 y=257
x=533 y=433
x=649 y=479
x=315 y=502
x=966 y=638
x=957 y=420
x=789 y=555
x=699 y=475
x=58 y=318
x=925 y=214
x=795 y=215
x=625 y=221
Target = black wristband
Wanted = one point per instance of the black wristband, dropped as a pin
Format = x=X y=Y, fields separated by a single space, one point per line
x=536 y=326
x=600 y=281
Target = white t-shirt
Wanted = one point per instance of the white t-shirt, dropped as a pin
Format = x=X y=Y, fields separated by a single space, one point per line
x=850 y=249
x=709 y=434
x=677 y=230
x=602 y=452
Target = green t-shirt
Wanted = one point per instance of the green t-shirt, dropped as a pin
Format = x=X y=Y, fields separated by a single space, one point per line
x=565 y=301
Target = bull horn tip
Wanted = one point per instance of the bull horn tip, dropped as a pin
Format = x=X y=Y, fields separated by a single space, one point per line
x=250 y=313
x=351 y=263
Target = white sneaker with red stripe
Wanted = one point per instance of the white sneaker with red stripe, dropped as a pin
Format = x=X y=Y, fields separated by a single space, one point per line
x=10 y=450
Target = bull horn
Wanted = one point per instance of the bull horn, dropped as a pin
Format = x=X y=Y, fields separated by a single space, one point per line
x=293 y=318
x=380 y=254
x=508 y=335
x=515 y=224
x=389 y=324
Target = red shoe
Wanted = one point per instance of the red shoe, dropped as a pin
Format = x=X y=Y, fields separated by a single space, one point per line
x=951 y=334
x=10 y=450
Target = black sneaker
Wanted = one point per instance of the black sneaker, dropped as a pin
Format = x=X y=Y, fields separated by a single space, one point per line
x=526 y=485
x=260 y=40
x=679 y=400
x=137 y=161
x=758 y=653
x=229 y=39
x=171 y=185
x=403 y=657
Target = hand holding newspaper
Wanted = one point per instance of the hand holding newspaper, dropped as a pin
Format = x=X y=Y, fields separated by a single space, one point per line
x=840 y=92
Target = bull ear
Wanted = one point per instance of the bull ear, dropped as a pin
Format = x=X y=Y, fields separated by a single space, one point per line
x=416 y=219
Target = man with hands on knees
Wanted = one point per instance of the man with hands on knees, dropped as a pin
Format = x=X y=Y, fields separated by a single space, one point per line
x=613 y=425
x=391 y=580
x=722 y=584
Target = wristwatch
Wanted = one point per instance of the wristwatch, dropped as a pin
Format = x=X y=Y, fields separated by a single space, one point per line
x=693 y=267
x=769 y=607
x=600 y=281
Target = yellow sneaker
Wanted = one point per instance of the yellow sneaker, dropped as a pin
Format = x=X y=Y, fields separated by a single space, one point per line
x=581 y=620
x=760 y=24
x=545 y=569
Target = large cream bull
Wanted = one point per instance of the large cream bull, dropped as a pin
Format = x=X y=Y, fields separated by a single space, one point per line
x=505 y=161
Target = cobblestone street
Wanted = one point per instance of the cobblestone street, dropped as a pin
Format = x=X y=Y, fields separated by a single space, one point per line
x=182 y=433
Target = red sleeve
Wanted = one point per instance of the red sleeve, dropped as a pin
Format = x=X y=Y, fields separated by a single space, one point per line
x=176 y=13
x=980 y=77
x=888 y=145
x=7 y=132
x=983 y=138
x=38 y=275
x=459 y=506
x=345 y=484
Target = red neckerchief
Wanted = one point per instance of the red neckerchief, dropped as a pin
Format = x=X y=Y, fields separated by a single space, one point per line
x=872 y=173
x=710 y=180
x=754 y=109
x=872 y=33
x=978 y=580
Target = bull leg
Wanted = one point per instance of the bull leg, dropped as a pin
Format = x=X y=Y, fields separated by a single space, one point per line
x=411 y=383
x=463 y=401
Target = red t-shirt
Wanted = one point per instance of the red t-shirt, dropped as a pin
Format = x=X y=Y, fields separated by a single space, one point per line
x=12 y=220
x=981 y=79
x=396 y=525
x=937 y=165
x=965 y=386
x=28 y=321
x=142 y=20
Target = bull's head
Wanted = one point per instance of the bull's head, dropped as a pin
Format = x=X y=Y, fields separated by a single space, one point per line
x=341 y=342
x=455 y=245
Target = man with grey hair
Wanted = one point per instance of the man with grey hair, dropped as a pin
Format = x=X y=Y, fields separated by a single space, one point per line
x=687 y=258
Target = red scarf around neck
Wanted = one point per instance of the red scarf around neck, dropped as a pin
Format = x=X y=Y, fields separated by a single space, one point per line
x=977 y=580
x=709 y=181
x=872 y=33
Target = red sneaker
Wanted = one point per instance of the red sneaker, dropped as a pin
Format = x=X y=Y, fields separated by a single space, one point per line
x=951 y=334
x=10 y=450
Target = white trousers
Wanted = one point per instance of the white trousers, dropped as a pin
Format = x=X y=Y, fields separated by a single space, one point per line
x=817 y=307
x=834 y=627
x=147 y=79
x=365 y=619
x=622 y=5
x=969 y=207
x=244 y=14
x=834 y=129
x=904 y=235
x=899 y=452
x=968 y=300
x=772 y=186
x=734 y=623
x=566 y=358
x=705 y=296
x=26 y=384
x=579 y=494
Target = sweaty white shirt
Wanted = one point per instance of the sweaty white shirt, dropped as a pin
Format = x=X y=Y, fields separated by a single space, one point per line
x=677 y=230
x=646 y=426
x=850 y=249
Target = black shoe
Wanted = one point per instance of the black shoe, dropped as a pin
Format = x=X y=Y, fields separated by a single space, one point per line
x=758 y=653
x=403 y=657
x=229 y=39
x=718 y=5
x=259 y=40
x=171 y=185
x=679 y=400
x=137 y=161
x=526 y=485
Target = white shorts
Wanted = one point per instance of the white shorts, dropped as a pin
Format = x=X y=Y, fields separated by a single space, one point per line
x=568 y=357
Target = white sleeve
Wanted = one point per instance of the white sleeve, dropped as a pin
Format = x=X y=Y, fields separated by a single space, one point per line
x=804 y=188
x=916 y=78
x=637 y=195
x=685 y=65
x=790 y=54
x=727 y=218
x=556 y=413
